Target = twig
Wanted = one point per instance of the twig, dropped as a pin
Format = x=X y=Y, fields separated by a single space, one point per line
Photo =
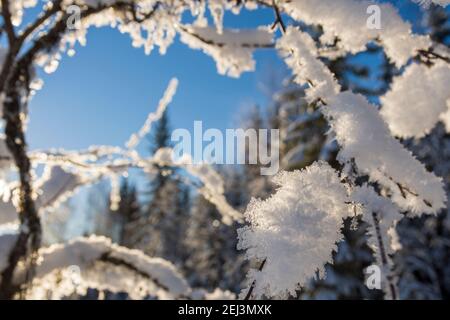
x=383 y=255
x=8 y=26
x=252 y=286
x=430 y=54
x=278 y=18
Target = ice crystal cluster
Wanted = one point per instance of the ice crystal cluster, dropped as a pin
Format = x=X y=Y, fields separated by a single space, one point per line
x=292 y=233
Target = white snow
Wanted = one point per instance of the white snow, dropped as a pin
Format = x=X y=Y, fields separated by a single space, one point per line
x=83 y=252
x=417 y=99
x=154 y=116
x=365 y=137
x=300 y=54
x=347 y=19
x=231 y=49
x=295 y=230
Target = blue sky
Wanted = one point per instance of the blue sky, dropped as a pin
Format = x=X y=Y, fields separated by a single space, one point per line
x=104 y=93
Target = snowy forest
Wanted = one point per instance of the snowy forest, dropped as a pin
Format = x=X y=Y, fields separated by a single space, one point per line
x=357 y=209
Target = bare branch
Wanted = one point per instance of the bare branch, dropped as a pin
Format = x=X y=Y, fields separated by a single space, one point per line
x=252 y=286
x=383 y=254
x=278 y=18
x=8 y=26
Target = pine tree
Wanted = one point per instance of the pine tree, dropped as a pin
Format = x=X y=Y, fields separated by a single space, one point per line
x=302 y=128
x=120 y=224
x=161 y=227
x=213 y=259
x=128 y=212
x=423 y=263
x=257 y=184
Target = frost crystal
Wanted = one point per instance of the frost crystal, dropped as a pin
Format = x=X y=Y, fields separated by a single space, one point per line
x=295 y=230
x=417 y=100
x=341 y=18
x=365 y=138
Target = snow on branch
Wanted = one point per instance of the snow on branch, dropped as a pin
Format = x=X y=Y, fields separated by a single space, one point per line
x=53 y=188
x=300 y=54
x=347 y=21
x=418 y=99
x=84 y=253
x=96 y=262
x=365 y=138
x=361 y=132
x=382 y=217
x=426 y=3
x=154 y=116
x=231 y=49
x=295 y=230
x=16 y=8
x=153 y=23
x=65 y=173
x=58 y=185
x=212 y=185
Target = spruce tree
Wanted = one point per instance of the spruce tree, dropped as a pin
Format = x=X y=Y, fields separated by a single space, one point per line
x=128 y=212
x=162 y=226
x=257 y=185
x=213 y=260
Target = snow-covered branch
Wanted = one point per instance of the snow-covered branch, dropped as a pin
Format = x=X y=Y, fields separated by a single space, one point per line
x=419 y=98
x=153 y=276
x=295 y=230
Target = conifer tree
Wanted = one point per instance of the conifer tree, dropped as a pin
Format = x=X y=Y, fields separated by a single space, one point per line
x=212 y=257
x=163 y=222
x=128 y=212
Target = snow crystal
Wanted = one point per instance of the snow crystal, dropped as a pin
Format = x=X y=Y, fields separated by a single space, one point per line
x=417 y=99
x=295 y=230
x=300 y=54
x=231 y=49
x=365 y=138
x=347 y=19
x=82 y=252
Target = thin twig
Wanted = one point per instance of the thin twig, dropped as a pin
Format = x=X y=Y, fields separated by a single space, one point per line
x=278 y=18
x=383 y=255
x=8 y=26
x=252 y=286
